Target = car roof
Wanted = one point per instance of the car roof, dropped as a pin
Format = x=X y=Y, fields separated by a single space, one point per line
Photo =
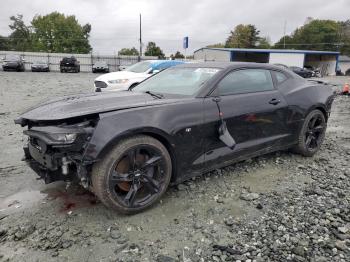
x=169 y=63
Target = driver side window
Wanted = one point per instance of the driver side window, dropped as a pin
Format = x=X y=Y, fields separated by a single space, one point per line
x=246 y=81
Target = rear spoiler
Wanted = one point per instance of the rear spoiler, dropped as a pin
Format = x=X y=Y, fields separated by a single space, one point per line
x=321 y=82
x=324 y=83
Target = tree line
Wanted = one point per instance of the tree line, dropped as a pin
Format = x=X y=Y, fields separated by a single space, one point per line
x=58 y=33
x=151 y=50
x=55 y=33
x=315 y=34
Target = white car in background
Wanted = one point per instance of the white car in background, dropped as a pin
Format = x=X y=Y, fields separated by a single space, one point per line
x=131 y=76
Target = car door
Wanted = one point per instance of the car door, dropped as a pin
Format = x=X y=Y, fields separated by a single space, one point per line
x=255 y=113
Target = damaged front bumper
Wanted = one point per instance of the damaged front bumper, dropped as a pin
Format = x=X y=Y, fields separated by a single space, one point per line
x=36 y=162
x=56 y=153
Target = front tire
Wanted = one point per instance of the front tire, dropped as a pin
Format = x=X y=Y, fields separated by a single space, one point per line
x=133 y=175
x=311 y=134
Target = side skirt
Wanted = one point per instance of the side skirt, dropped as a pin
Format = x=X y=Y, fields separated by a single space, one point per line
x=230 y=162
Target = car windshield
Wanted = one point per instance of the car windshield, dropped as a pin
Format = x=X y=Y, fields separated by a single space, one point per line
x=39 y=63
x=177 y=81
x=100 y=63
x=140 y=67
x=68 y=59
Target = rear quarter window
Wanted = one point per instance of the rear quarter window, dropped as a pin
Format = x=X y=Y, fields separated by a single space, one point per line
x=280 y=77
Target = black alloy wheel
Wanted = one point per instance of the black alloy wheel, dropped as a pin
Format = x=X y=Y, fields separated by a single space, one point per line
x=312 y=133
x=137 y=177
x=133 y=175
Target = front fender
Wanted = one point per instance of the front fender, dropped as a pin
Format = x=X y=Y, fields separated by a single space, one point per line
x=114 y=126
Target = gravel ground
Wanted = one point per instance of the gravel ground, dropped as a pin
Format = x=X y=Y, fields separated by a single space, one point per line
x=277 y=207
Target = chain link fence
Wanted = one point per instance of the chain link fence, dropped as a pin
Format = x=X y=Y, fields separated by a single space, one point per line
x=86 y=60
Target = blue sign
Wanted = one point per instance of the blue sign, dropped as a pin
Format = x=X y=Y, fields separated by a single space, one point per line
x=185 y=42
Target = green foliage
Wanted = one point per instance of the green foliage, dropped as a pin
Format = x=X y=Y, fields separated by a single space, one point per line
x=177 y=55
x=243 y=36
x=153 y=50
x=315 y=35
x=20 y=38
x=128 y=51
x=218 y=45
x=264 y=43
x=4 y=43
x=344 y=33
x=57 y=33
x=54 y=33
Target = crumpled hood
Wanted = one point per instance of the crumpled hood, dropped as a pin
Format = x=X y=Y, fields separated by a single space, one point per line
x=87 y=104
x=120 y=75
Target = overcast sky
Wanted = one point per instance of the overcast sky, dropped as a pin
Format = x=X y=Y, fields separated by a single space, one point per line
x=115 y=22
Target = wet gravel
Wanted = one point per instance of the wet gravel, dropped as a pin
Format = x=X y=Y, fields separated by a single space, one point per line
x=277 y=207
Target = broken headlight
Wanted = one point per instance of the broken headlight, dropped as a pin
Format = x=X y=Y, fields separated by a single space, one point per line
x=64 y=138
x=53 y=135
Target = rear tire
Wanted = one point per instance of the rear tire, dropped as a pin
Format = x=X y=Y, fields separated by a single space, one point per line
x=120 y=179
x=311 y=134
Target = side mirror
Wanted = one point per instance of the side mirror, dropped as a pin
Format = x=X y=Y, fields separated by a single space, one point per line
x=155 y=72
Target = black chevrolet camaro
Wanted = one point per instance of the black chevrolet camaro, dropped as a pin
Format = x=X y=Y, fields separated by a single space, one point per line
x=127 y=147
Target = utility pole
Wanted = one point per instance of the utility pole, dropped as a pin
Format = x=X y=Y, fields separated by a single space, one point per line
x=284 y=34
x=140 y=38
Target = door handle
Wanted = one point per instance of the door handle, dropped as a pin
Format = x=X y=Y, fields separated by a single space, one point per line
x=274 y=101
